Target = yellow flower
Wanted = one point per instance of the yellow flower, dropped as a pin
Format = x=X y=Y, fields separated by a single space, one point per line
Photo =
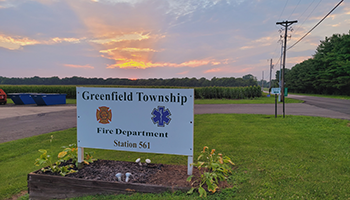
x=220 y=159
x=229 y=160
x=205 y=147
x=212 y=151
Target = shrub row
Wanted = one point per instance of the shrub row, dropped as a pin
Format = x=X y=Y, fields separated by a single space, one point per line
x=69 y=90
x=228 y=92
x=200 y=93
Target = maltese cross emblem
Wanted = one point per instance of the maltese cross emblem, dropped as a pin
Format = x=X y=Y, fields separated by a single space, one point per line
x=103 y=115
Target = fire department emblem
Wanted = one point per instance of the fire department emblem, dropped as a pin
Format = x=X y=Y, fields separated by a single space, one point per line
x=103 y=115
x=161 y=116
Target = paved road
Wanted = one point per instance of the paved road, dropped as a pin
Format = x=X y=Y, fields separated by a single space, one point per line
x=20 y=121
x=269 y=109
x=313 y=106
x=337 y=105
x=25 y=121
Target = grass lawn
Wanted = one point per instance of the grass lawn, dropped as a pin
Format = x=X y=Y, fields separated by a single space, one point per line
x=9 y=101
x=258 y=100
x=296 y=157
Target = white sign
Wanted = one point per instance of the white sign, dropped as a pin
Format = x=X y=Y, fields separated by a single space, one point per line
x=275 y=90
x=136 y=119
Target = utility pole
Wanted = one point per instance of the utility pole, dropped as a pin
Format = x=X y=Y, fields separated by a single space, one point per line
x=279 y=74
x=271 y=67
x=285 y=24
x=262 y=81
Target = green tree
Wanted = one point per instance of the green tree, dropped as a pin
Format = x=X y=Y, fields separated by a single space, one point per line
x=328 y=72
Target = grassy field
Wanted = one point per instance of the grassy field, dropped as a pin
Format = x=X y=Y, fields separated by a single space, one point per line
x=296 y=157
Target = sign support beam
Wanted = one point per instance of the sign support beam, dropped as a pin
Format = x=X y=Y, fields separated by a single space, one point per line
x=189 y=165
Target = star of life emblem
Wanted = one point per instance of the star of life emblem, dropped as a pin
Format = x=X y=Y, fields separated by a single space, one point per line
x=161 y=116
x=103 y=115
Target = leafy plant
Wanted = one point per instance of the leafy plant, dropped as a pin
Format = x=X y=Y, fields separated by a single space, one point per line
x=216 y=169
x=45 y=159
x=71 y=153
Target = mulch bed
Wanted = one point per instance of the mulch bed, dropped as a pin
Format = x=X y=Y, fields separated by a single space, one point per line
x=154 y=174
x=100 y=177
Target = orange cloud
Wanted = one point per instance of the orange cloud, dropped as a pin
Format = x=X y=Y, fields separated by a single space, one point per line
x=192 y=63
x=183 y=73
x=244 y=70
x=132 y=64
x=213 y=70
x=17 y=42
x=129 y=63
x=79 y=66
x=229 y=69
x=131 y=42
x=129 y=50
x=295 y=60
x=246 y=47
x=120 y=38
x=71 y=40
x=261 y=42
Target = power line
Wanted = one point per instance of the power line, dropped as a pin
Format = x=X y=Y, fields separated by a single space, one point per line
x=316 y=25
x=277 y=61
x=283 y=10
x=308 y=15
x=307 y=8
x=294 y=9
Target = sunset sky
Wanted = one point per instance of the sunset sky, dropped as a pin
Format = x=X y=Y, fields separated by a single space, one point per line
x=158 y=38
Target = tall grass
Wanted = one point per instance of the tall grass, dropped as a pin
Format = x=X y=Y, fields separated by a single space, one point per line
x=200 y=93
x=69 y=90
x=228 y=92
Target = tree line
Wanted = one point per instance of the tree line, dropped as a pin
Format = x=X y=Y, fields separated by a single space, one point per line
x=327 y=72
x=247 y=80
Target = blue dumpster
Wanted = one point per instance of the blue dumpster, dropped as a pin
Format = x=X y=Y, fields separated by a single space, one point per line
x=21 y=98
x=49 y=99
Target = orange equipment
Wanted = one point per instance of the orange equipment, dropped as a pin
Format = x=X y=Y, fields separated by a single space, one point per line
x=3 y=97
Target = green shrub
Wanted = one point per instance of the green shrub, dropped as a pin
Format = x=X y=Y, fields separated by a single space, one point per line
x=200 y=93
x=228 y=92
